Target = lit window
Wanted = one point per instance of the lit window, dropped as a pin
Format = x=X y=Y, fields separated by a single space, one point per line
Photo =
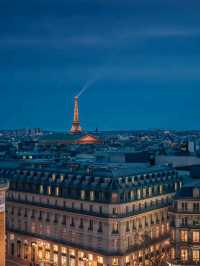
x=114 y=197
x=63 y=260
x=195 y=255
x=100 y=259
x=115 y=261
x=80 y=254
x=72 y=252
x=173 y=235
x=195 y=236
x=90 y=257
x=184 y=236
x=57 y=191
x=40 y=255
x=49 y=190
x=47 y=255
x=115 y=228
x=55 y=248
x=138 y=194
x=127 y=259
x=55 y=258
x=184 y=254
x=63 y=250
x=172 y=253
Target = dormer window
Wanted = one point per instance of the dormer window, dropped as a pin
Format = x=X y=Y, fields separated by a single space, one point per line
x=195 y=193
x=92 y=195
x=57 y=191
x=139 y=194
x=41 y=189
x=82 y=194
x=49 y=190
x=114 y=197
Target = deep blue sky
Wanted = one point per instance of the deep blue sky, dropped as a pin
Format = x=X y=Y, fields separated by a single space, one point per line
x=145 y=53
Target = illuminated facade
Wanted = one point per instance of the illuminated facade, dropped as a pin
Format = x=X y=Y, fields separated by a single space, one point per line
x=96 y=215
x=185 y=226
x=3 y=188
x=76 y=128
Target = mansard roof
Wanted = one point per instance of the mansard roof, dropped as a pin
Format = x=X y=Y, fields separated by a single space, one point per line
x=97 y=177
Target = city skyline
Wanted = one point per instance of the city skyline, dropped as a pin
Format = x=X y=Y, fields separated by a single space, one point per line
x=146 y=57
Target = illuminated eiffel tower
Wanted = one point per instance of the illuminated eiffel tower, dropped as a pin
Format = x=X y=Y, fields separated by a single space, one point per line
x=76 y=128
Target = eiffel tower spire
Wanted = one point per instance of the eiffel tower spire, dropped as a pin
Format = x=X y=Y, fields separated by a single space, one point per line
x=76 y=128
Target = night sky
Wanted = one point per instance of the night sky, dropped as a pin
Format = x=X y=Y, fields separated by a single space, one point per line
x=144 y=56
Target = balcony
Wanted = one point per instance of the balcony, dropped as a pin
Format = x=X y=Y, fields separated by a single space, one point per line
x=91 y=213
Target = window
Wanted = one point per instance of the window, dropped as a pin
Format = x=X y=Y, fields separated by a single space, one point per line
x=195 y=255
x=184 y=236
x=92 y=195
x=195 y=237
x=172 y=253
x=81 y=223
x=18 y=248
x=115 y=228
x=57 y=191
x=41 y=189
x=90 y=225
x=115 y=261
x=12 y=249
x=49 y=190
x=64 y=220
x=114 y=211
x=184 y=254
x=82 y=194
x=72 y=222
x=138 y=194
x=114 y=197
x=100 y=210
x=184 y=221
x=196 y=207
x=100 y=230
x=127 y=227
x=99 y=260
x=184 y=206
x=25 y=251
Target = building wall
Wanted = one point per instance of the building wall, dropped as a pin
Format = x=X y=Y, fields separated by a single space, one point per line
x=107 y=240
x=3 y=187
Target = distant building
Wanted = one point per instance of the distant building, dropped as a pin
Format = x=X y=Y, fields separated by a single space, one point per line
x=177 y=160
x=185 y=226
x=64 y=139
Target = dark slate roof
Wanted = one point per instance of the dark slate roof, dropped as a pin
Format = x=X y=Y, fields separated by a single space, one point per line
x=187 y=190
x=102 y=177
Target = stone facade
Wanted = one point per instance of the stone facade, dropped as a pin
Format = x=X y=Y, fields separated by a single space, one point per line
x=185 y=225
x=95 y=217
